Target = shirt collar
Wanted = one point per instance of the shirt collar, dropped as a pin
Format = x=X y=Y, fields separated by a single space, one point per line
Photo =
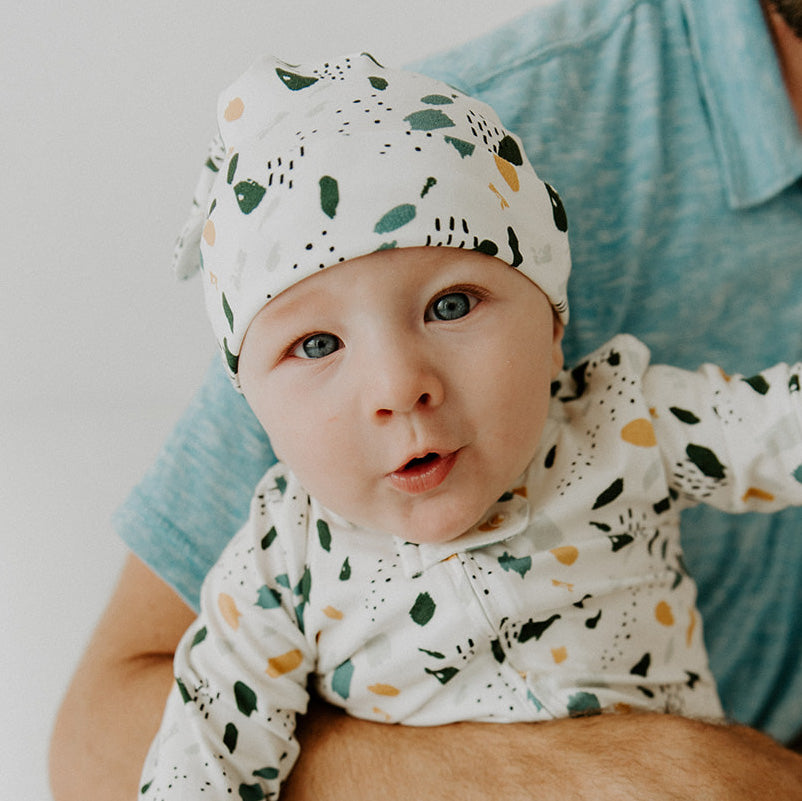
x=757 y=137
x=507 y=517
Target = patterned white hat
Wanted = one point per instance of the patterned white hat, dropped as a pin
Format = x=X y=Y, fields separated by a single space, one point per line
x=318 y=164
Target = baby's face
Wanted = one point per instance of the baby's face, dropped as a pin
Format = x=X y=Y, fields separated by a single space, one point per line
x=406 y=389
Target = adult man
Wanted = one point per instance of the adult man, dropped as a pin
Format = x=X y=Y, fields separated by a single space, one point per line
x=677 y=122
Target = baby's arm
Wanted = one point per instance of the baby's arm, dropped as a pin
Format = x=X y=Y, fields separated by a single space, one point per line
x=732 y=442
x=240 y=679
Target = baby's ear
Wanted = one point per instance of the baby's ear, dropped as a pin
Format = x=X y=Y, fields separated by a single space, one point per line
x=557 y=347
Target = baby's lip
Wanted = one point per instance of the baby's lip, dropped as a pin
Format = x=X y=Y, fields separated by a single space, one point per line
x=423 y=472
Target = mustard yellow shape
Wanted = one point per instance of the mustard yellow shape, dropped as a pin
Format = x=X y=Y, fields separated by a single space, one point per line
x=285 y=663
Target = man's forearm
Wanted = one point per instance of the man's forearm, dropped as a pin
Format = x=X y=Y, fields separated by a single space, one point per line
x=115 y=701
x=604 y=758
x=103 y=731
x=611 y=757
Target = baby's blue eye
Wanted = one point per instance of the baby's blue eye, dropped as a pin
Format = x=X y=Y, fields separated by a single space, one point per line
x=452 y=306
x=317 y=346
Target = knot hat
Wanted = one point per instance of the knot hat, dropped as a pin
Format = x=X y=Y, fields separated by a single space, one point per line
x=316 y=164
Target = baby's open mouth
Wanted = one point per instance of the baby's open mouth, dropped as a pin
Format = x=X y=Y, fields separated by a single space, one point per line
x=420 y=461
x=423 y=473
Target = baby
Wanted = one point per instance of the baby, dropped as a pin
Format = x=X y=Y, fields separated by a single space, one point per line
x=459 y=529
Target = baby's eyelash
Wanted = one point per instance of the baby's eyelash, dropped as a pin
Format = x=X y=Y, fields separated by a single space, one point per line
x=468 y=289
x=292 y=347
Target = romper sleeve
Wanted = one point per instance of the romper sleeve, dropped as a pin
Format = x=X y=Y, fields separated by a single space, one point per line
x=732 y=442
x=240 y=674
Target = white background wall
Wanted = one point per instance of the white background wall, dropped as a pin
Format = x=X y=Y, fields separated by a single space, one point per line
x=105 y=111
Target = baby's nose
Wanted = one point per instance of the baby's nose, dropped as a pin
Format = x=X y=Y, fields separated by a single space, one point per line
x=404 y=383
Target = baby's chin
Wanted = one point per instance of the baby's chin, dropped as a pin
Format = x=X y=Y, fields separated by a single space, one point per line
x=428 y=531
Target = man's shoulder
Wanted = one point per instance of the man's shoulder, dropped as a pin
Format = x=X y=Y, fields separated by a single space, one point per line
x=551 y=32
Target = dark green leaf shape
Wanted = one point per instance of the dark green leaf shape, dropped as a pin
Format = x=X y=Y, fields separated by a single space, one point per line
x=345 y=570
x=395 y=218
x=498 y=651
x=182 y=688
x=620 y=541
x=293 y=81
x=368 y=55
x=662 y=506
x=488 y=247
x=706 y=461
x=444 y=675
x=557 y=210
x=508 y=150
x=592 y=622
x=684 y=416
x=433 y=654
x=230 y=737
x=517 y=258
x=430 y=182
x=245 y=698
x=642 y=668
x=269 y=538
x=378 y=83
x=324 y=535
x=610 y=494
x=535 y=628
x=249 y=195
x=251 y=792
x=304 y=586
x=228 y=313
x=423 y=609
x=266 y=773
x=329 y=195
x=231 y=359
x=758 y=383
x=232 y=168
x=199 y=637
x=429 y=119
